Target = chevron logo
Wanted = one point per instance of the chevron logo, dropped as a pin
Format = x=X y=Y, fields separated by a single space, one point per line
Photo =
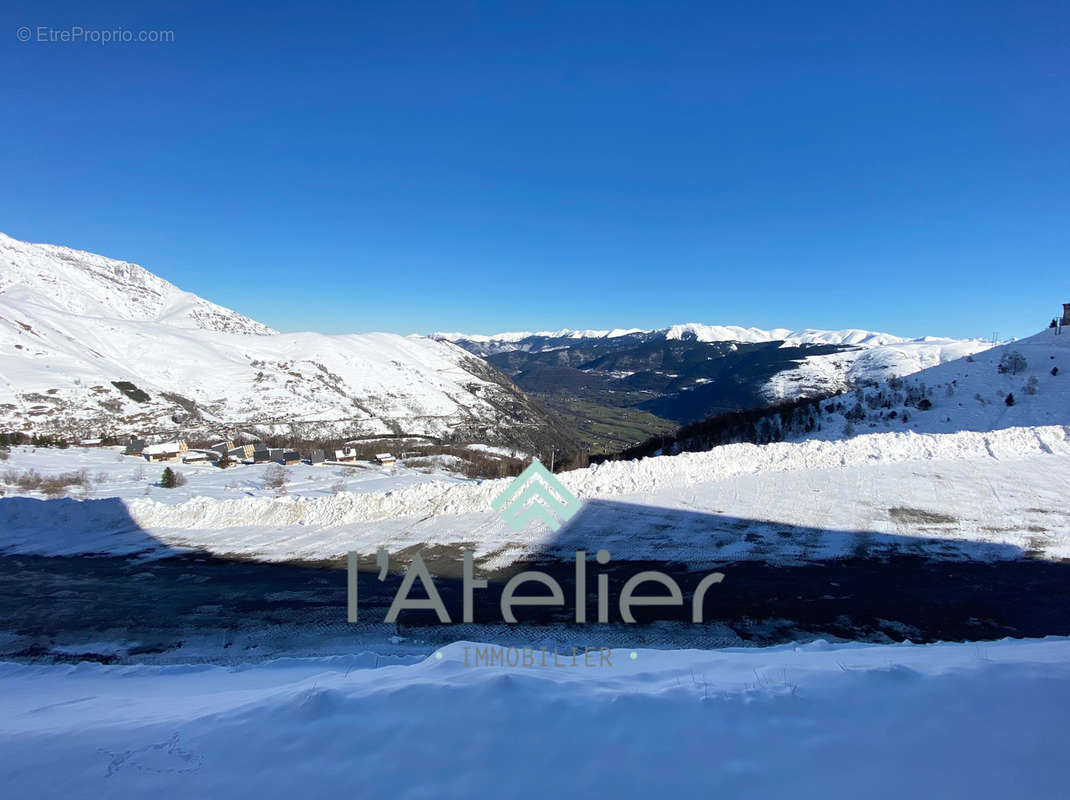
x=536 y=494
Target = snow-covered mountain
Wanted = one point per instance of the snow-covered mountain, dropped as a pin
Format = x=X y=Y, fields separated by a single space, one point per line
x=75 y=282
x=1021 y=384
x=684 y=373
x=846 y=358
x=694 y=331
x=88 y=343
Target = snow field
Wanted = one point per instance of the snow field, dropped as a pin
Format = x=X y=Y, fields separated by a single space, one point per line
x=815 y=720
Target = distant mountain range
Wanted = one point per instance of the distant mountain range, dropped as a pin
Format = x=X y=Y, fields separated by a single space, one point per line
x=91 y=344
x=621 y=385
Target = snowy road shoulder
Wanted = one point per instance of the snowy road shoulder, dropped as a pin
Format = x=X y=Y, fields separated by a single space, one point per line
x=817 y=720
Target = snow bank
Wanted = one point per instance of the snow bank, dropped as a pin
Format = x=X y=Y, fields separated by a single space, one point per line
x=434 y=498
x=816 y=720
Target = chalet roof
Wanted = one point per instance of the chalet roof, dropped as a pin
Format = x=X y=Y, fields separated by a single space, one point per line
x=162 y=449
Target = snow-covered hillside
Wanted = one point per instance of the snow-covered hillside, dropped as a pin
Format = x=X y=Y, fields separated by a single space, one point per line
x=968 y=393
x=877 y=360
x=75 y=282
x=89 y=344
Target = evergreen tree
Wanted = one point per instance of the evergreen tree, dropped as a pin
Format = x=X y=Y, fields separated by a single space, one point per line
x=167 y=480
x=1010 y=399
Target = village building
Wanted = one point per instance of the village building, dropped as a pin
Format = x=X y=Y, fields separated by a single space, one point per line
x=90 y=443
x=291 y=457
x=316 y=456
x=134 y=447
x=261 y=453
x=345 y=455
x=243 y=452
x=166 y=451
x=385 y=459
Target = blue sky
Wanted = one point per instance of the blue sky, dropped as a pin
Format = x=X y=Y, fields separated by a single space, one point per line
x=482 y=167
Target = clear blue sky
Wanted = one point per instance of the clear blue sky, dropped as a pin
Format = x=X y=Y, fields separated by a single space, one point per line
x=481 y=167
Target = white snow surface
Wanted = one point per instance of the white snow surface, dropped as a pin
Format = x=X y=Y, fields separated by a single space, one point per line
x=72 y=323
x=976 y=721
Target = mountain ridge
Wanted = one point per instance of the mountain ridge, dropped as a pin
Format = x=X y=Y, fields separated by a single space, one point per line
x=617 y=387
x=703 y=332
x=90 y=344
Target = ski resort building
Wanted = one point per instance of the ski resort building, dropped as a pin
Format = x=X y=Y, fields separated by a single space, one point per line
x=241 y=453
x=167 y=451
x=345 y=455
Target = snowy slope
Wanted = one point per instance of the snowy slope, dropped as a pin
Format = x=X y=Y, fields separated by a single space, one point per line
x=88 y=285
x=818 y=720
x=73 y=324
x=965 y=394
x=877 y=361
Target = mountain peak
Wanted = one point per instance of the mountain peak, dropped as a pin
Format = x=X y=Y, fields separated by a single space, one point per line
x=89 y=285
x=91 y=344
